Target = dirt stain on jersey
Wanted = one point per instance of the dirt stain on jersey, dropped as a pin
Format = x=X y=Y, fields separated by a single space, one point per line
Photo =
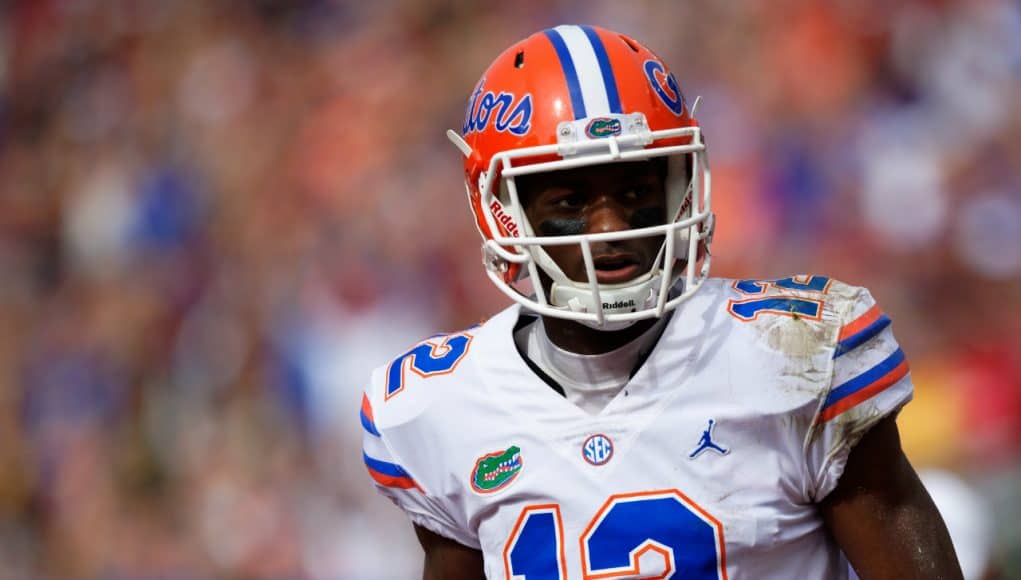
x=853 y=424
x=849 y=427
x=796 y=337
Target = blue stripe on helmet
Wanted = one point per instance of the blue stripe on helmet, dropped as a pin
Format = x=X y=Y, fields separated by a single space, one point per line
x=609 y=81
x=570 y=73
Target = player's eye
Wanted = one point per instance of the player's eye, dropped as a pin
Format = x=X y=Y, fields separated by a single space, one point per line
x=637 y=193
x=568 y=201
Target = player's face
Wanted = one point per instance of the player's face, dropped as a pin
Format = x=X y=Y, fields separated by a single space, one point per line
x=603 y=198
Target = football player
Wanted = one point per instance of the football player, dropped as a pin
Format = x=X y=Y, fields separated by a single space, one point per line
x=628 y=416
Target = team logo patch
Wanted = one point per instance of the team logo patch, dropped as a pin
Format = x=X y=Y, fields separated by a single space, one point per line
x=601 y=127
x=665 y=86
x=507 y=112
x=494 y=471
x=597 y=449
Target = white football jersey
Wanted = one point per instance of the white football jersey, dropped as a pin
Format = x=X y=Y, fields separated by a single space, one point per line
x=707 y=464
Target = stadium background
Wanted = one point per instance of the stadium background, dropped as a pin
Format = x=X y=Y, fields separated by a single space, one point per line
x=217 y=217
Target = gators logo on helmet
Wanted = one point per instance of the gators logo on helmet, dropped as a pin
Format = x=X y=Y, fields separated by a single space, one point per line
x=601 y=127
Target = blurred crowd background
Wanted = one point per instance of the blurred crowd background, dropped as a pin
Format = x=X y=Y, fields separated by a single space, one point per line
x=217 y=216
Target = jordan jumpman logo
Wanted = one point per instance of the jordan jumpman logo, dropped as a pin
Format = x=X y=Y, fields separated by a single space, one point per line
x=706 y=442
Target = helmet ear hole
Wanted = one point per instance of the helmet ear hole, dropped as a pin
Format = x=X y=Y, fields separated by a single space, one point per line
x=519 y=59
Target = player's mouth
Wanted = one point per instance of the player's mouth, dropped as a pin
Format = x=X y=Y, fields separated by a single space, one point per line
x=617 y=268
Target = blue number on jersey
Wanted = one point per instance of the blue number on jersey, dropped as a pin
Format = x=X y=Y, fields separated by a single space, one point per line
x=751 y=286
x=665 y=522
x=535 y=549
x=811 y=284
x=749 y=309
x=427 y=359
x=689 y=541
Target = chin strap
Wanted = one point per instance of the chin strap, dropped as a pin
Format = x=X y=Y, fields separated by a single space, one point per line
x=620 y=300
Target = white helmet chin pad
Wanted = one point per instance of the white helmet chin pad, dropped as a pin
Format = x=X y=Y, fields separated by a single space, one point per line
x=639 y=294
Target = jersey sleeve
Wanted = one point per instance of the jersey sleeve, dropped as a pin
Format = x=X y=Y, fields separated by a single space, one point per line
x=870 y=380
x=407 y=484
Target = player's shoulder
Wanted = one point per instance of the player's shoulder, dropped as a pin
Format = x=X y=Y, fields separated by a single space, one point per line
x=786 y=340
x=436 y=370
x=809 y=296
x=799 y=315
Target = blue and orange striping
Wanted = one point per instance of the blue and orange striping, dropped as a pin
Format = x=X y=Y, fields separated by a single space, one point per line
x=861 y=330
x=368 y=422
x=389 y=474
x=864 y=386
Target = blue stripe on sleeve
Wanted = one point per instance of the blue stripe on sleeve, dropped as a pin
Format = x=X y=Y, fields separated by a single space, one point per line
x=862 y=336
x=383 y=467
x=570 y=73
x=865 y=379
x=609 y=81
x=369 y=425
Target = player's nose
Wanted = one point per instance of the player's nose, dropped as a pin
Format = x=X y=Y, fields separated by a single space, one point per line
x=607 y=215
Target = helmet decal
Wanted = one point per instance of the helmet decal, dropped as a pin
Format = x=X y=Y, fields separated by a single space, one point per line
x=601 y=127
x=665 y=86
x=504 y=219
x=586 y=65
x=507 y=112
x=605 y=69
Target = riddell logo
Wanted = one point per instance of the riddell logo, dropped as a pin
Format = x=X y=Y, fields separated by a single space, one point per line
x=505 y=220
x=618 y=304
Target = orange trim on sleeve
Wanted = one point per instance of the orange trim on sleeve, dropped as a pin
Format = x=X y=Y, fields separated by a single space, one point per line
x=856 y=325
x=392 y=481
x=896 y=373
x=367 y=408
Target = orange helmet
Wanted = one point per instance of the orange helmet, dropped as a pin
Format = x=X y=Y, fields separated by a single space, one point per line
x=575 y=96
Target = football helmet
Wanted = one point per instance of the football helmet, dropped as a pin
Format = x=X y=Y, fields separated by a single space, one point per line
x=574 y=96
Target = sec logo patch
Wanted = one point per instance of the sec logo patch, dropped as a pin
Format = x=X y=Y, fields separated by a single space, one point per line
x=597 y=449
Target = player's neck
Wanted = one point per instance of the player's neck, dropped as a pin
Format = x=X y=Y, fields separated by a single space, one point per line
x=580 y=339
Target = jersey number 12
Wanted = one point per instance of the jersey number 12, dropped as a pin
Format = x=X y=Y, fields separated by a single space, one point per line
x=622 y=534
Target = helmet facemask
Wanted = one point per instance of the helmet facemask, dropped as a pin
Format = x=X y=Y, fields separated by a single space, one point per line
x=515 y=254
